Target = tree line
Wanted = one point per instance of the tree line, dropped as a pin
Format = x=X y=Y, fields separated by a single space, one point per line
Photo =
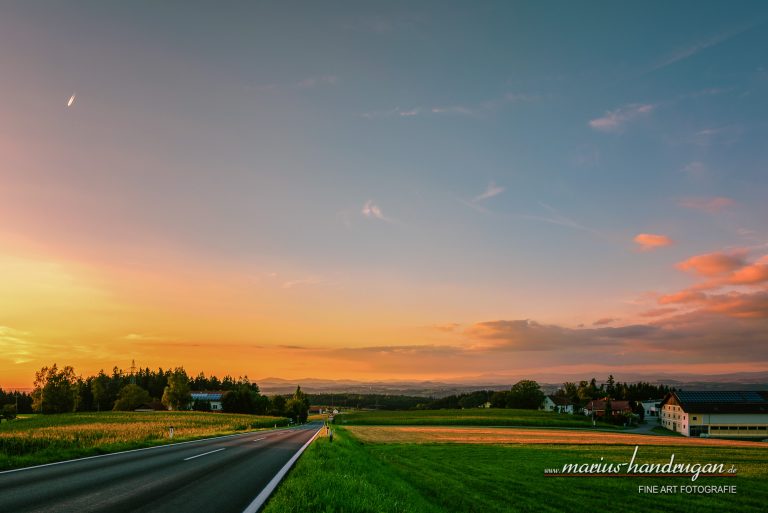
x=61 y=390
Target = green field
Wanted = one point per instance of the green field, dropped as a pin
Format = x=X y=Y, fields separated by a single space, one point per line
x=35 y=439
x=467 y=417
x=349 y=476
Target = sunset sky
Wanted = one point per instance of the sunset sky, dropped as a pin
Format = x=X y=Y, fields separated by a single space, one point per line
x=416 y=190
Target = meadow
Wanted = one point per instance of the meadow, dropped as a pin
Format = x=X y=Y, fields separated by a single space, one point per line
x=467 y=417
x=36 y=439
x=352 y=476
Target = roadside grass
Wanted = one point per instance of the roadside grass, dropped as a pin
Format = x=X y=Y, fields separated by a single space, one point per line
x=468 y=417
x=350 y=476
x=342 y=476
x=33 y=440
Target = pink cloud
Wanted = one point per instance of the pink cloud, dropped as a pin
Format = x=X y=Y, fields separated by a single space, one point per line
x=658 y=312
x=711 y=205
x=650 y=241
x=714 y=264
x=684 y=296
x=614 y=120
x=751 y=274
x=604 y=321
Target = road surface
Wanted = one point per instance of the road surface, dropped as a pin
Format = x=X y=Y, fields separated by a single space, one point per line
x=219 y=475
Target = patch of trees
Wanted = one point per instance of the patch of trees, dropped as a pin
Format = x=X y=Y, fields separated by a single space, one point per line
x=580 y=394
x=17 y=402
x=61 y=390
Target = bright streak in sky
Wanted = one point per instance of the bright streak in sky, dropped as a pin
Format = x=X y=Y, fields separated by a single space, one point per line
x=71 y=100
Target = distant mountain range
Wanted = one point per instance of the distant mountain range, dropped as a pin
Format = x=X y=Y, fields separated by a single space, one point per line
x=549 y=383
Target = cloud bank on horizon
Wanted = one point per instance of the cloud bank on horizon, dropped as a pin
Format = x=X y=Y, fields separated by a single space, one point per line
x=272 y=191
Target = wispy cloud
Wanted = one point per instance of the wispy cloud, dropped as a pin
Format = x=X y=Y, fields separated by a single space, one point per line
x=604 y=321
x=373 y=211
x=651 y=241
x=687 y=51
x=555 y=217
x=490 y=191
x=15 y=346
x=456 y=109
x=711 y=205
x=615 y=120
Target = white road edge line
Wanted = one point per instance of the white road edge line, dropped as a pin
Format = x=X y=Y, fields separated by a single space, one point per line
x=260 y=499
x=205 y=453
x=256 y=440
x=131 y=450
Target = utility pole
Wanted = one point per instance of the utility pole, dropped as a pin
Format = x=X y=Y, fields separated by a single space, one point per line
x=133 y=371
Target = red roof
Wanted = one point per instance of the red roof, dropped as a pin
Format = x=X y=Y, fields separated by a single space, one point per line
x=599 y=405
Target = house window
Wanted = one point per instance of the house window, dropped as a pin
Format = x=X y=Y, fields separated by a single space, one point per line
x=693 y=418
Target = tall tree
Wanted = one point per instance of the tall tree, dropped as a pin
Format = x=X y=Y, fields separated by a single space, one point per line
x=525 y=394
x=55 y=390
x=131 y=397
x=177 y=395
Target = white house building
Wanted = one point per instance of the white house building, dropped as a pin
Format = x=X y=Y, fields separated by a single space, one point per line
x=716 y=414
x=214 y=398
x=553 y=403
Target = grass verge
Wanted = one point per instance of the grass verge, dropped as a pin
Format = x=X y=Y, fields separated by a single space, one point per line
x=350 y=476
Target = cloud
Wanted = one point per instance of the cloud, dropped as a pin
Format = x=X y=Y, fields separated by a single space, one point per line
x=683 y=296
x=372 y=210
x=658 y=312
x=528 y=335
x=490 y=191
x=614 y=120
x=15 y=346
x=711 y=205
x=751 y=274
x=446 y=328
x=650 y=241
x=694 y=48
x=713 y=264
x=604 y=321
x=555 y=217
x=457 y=109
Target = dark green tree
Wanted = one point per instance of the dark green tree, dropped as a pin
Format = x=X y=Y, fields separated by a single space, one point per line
x=131 y=397
x=55 y=390
x=525 y=394
x=177 y=395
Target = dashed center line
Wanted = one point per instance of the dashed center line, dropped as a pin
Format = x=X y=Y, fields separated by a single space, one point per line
x=257 y=439
x=205 y=453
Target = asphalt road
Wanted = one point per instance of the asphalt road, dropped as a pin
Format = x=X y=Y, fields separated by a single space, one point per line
x=220 y=475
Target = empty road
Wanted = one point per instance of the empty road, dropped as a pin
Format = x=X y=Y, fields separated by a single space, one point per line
x=219 y=475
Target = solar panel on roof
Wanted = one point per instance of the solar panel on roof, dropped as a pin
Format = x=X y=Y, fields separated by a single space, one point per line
x=719 y=397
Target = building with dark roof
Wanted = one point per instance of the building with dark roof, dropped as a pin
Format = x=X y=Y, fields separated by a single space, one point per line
x=558 y=404
x=741 y=414
x=598 y=407
x=213 y=398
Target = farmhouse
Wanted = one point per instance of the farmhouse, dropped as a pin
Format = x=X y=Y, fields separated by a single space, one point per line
x=214 y=398
x=558 y=404
x=598 y=407
x=716 y=414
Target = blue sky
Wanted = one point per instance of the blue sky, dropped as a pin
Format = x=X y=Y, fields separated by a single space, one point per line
x=410 y=164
